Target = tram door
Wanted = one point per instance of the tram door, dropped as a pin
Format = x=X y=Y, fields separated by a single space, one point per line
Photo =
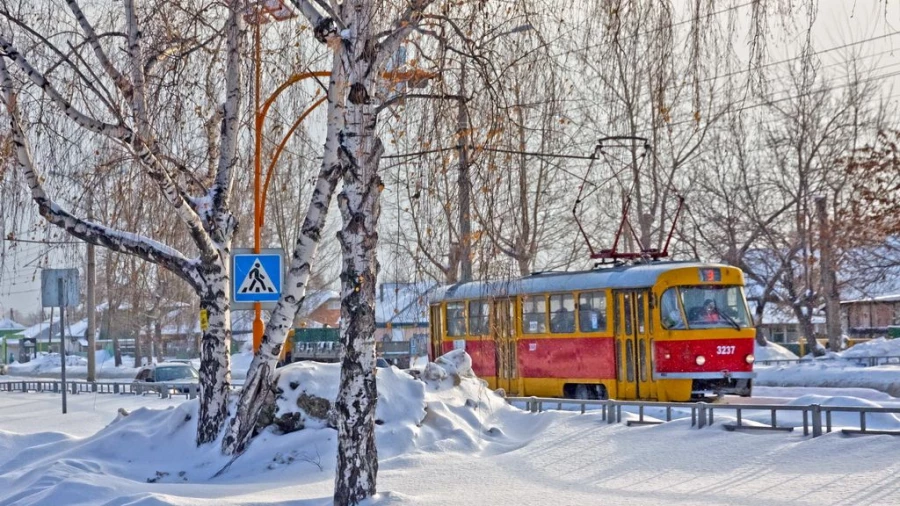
x=437 y=327
x=632 y=332
x=503 y=332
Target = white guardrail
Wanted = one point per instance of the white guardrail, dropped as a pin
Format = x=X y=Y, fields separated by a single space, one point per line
x=817 y=419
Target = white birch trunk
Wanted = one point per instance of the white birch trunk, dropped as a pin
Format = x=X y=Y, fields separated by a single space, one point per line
x=357 y=458
x=358 y=60
x=215 y=352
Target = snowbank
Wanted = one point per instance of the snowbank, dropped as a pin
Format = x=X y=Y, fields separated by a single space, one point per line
x=448 y=409
x=49 y=365
x=830 y=374
x=879 y=347
x=772 y=351
x=240 y=363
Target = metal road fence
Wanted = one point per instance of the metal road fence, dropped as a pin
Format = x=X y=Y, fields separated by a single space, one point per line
x=862 y=361
x=816 y=419
x=164 y=390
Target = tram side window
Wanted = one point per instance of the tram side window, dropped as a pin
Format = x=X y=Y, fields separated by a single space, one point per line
x=456 y=319
x=534 y=314
x=592 y=311
x=478 y=317
x=562 y=307
x=669 y=310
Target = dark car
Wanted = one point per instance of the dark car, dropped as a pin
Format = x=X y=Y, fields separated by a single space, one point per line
x=179 y=377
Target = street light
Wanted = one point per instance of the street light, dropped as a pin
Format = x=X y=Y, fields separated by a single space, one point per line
x=263 y=12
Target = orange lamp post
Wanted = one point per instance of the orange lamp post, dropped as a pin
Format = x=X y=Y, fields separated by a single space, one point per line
x=263 y=12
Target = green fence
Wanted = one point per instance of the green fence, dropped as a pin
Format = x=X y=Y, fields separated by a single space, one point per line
x=317 y=335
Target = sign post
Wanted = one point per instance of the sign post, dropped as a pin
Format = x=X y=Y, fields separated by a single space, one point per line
x=60 y=287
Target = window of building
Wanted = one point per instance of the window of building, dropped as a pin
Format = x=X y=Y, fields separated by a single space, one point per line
x=534 y=314
x=592 y=311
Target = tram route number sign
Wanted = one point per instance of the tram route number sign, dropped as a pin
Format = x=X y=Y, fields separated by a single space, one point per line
x=710 y=275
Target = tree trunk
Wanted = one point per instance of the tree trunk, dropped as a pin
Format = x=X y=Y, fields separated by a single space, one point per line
x=464 y=183
x=90 y=333
x=215 y=358
x=157 y=338
x=357 y=457
x=804 y=318
x=138 y=358
x=117 y=350
x=357 y=465
x=758 y=320
x=828 y=278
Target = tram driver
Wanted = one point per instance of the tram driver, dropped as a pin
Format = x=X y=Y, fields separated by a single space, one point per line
x=710 y=313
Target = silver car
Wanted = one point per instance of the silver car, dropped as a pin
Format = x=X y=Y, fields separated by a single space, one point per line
x=179 y=377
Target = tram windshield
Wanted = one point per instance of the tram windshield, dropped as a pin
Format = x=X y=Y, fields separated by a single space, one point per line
x=704 y=307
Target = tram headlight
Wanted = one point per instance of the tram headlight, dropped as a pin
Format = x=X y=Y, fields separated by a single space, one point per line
x=700 y=360
x=750 y=358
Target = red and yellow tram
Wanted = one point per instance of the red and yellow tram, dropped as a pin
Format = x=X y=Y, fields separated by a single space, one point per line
x=668 y=331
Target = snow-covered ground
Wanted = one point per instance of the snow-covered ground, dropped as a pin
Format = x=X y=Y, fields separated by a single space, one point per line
x=438 y=444
x=49 y=365
x=835 y=370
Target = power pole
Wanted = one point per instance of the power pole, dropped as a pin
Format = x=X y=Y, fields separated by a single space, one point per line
x=91 y=301
x=464 y=182
x=828 y=278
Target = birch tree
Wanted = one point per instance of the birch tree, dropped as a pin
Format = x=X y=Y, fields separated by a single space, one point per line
x=119 y=96
x=361 y=43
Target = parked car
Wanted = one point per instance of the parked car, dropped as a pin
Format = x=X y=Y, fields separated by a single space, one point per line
x=179 y=375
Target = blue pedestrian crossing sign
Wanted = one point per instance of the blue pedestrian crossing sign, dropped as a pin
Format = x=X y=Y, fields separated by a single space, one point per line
x=256 y=277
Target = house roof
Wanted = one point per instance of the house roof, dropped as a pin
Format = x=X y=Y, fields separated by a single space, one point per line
x=775 y=314
x=314 y=300
x=403 y=303
x=881 y=298
x=8 y=324
x=41 y=328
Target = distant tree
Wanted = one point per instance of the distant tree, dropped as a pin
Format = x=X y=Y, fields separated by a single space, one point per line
x=140 y=100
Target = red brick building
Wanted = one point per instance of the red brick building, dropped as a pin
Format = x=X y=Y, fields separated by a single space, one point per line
x=320 y=308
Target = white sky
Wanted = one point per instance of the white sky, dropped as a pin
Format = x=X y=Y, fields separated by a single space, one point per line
x=839 y=22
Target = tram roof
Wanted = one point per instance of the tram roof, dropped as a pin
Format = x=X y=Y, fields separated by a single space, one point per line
x=627 y=276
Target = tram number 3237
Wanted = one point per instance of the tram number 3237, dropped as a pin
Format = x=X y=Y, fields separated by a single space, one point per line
x=725 y=350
